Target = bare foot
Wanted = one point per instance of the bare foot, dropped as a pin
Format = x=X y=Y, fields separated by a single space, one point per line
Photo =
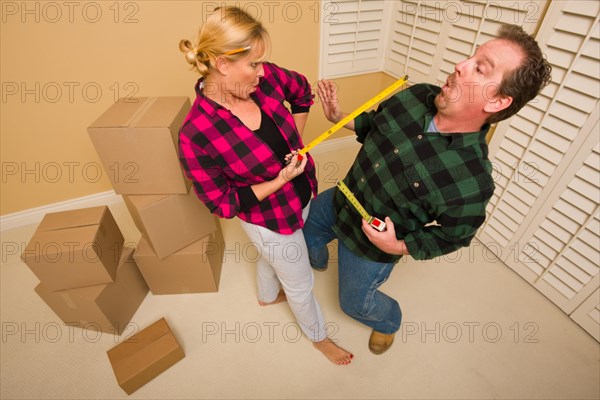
x=279 y=299
x=336 y=354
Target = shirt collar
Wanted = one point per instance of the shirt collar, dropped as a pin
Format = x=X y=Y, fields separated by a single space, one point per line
x=457 y=139
x=210 y=106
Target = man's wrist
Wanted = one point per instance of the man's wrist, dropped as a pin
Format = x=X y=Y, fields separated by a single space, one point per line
x=402 y=249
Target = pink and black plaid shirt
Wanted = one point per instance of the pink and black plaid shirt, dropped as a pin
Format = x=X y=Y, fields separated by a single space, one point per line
x=219 y=154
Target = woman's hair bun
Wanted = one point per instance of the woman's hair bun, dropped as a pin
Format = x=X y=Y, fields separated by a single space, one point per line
x=191 y=55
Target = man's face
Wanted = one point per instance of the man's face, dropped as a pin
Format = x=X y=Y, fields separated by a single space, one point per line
x=471 y=90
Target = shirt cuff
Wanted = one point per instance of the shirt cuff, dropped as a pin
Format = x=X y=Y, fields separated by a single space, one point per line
x=361 y=127
x=247 y=198
x=411 y=246
x=300 y=109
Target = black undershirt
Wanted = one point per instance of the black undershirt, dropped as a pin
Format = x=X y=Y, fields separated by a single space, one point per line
x=269 y=133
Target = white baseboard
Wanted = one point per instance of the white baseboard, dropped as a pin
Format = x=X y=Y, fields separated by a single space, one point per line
x=35 y=215
x=336 y=144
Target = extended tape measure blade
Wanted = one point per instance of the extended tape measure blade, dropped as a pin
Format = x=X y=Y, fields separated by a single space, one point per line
x=350 y=117
x=373 y=221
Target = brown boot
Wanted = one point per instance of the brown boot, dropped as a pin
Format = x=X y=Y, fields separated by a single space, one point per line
x=380 y=342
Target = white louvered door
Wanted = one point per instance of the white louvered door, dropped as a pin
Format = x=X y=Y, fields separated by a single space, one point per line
x=543 y=220
x=558 y=253
x=414 y=46
x=588 y=315
x=428 y=38
x=353 y=36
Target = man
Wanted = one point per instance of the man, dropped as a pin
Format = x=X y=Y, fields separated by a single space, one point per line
x=424 y=167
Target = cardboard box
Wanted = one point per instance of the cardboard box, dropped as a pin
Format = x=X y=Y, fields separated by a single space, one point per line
x=171 y=222
x=136 y=140
x=144 y=356
x=107 y=308
x=75 y=248
x=193 y=269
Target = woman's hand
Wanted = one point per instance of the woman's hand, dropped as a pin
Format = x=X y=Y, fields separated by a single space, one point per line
x=290 y=171
x=295 y=167
x=327 y=93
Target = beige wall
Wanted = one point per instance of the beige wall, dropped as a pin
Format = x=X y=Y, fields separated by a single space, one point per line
x=64 y=63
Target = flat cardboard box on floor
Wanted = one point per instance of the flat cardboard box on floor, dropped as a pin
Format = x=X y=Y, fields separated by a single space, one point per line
x=171 y=222
x=107 y=308
x=144 y=356
x=136 y=140
x=75 y=248
x=193 y=269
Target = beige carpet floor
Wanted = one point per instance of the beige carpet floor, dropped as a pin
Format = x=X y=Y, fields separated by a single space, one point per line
x=472 y=329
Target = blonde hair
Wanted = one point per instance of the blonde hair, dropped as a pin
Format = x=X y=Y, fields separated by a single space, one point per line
x=228 y=30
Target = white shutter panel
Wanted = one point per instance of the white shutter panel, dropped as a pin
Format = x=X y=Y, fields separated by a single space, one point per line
x=588 y=315
x=352 y=37
x=416 y=29
x=430 y=37
x=472 y=23
x=563 y=252
x=543 y=220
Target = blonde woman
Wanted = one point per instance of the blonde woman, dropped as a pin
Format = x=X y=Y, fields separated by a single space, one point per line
x=233 y=146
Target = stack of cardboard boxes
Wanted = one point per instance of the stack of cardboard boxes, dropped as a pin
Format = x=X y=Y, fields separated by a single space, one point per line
x=87 y=277
x=181 y=248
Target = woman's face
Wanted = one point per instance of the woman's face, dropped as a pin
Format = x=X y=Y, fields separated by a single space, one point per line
x=244 y=75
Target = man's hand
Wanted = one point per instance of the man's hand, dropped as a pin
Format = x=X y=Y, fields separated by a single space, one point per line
x=328 y=95
x=331 y=106
x=385 y=241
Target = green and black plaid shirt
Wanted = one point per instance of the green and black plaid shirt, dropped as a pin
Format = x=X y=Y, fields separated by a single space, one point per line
x=415 y=177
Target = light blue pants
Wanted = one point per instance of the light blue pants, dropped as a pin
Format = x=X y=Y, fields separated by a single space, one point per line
x=284 y=263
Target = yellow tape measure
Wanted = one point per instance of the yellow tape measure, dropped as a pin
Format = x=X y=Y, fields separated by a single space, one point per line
x=385 y=92
x=373 y=221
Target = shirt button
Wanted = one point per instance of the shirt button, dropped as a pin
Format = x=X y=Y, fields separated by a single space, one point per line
x=362 y=180
x=416 y=184
x=420 y=137
x=376 y=165
x=396 y=151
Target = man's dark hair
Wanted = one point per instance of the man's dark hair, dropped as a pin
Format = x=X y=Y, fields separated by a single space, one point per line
x=528 y=79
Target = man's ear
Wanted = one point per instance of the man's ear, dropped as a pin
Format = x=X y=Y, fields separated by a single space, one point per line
x=497 y=104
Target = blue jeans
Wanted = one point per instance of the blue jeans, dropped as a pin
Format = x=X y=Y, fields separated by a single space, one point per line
x=359 y=278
